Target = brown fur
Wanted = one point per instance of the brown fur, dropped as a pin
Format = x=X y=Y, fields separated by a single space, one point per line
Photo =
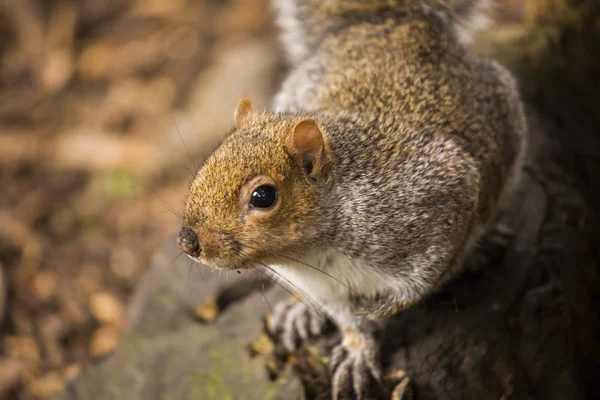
x=415 y=141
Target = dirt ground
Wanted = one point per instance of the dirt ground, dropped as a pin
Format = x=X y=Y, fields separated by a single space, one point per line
x=100 y=103
x=106 y=110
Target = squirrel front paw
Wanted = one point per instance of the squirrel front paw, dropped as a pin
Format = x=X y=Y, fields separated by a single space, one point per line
x=356 y=369
x=294 y=322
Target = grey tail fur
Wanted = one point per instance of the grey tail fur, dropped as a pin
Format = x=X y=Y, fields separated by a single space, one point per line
x=306 y=22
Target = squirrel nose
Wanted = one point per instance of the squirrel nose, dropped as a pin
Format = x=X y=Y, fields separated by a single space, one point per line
x=188 y=242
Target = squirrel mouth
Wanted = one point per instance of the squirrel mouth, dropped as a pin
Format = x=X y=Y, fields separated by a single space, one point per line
x=226 y=266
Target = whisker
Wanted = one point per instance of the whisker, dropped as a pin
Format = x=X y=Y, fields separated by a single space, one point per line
x=262 y=285
x=289 y=291
x=159 y=214
x=184 y=146
x=170 y=208
x=306 y=295
x=191 y=174
x=302 y=263
x=187 y=283
x=262 y=290
x=174 y=259
x=312 y=301
x=313 y=267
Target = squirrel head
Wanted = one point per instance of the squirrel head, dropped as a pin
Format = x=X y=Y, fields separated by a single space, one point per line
x=258 y=193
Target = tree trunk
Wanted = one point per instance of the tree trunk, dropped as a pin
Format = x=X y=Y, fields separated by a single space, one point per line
x=527 y=326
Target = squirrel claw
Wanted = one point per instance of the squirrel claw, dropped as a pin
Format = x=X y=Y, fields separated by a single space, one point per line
x=294 y=323
x=356 y=372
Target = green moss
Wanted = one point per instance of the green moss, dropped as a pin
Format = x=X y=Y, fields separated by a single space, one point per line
x=207 y=386
x=120 y=184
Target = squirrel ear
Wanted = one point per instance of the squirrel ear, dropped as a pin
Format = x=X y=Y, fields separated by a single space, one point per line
x=242 y=111
x=307 y=140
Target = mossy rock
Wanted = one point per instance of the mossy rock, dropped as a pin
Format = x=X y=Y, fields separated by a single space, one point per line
x=171 y=354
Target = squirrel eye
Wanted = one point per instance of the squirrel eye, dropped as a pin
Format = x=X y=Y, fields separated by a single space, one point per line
x=263 y=196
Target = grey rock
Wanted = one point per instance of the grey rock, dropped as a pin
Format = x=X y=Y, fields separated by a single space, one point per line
x=170 y=354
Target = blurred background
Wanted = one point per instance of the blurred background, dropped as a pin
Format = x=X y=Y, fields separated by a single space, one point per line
x=106 y=110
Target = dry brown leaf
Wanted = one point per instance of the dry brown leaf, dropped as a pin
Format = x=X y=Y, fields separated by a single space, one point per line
x=24 y=325
x=57 y=70
x=261 y=346
x=44 y=285
x=71 y=372
x=51 y=329
x=106 y=308
x=104 y=340
x=18 y=145
x=23 y=348
x=95 y=150
x=72 y=312
x=90 y=279
x=58 y=66
x=124 y=263
x=10 y=373
x=94 y=61
x=47 y=385
x=19 y=234
x=207 y=311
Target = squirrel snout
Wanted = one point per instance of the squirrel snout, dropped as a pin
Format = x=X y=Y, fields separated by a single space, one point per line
x=188 y=242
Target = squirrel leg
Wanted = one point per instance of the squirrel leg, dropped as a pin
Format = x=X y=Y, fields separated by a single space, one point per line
x=355 y=363
x=294 y=322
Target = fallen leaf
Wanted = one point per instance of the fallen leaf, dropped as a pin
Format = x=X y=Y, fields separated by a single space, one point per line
x=104 y=340
x=47 y=385
x=44 y=285
x=261 y=346
x=10 y=373
x=106 y=308
x=208 y=311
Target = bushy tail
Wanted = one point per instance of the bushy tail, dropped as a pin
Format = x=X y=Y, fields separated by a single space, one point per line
x=466 y=16
x=305 y=22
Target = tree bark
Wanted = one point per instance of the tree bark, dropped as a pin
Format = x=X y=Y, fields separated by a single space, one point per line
x=527 y=326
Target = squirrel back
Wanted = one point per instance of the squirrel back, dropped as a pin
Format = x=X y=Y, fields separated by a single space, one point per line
x=306 y=22
x=404 y=69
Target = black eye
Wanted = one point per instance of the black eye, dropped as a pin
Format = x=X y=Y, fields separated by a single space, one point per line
x=263 y=197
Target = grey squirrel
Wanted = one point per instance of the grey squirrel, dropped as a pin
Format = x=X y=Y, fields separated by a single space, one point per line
x=386 y=155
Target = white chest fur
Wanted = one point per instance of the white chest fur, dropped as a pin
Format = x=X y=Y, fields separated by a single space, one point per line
x=331 y=277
